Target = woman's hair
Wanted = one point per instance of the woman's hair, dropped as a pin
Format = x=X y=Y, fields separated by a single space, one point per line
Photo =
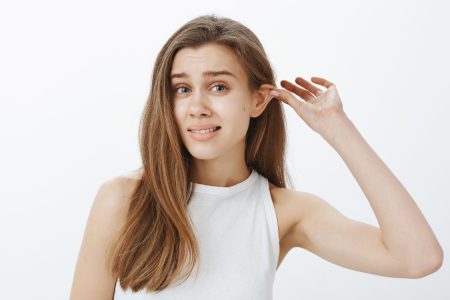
x=157 y=240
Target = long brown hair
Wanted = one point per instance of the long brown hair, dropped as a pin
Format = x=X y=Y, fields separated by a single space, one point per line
x=157 y=240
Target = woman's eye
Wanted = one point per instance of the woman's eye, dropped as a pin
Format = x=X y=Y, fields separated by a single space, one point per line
x=220 y=85
x=181 y=87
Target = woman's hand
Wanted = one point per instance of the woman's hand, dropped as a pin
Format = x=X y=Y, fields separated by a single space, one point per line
x=316 y=107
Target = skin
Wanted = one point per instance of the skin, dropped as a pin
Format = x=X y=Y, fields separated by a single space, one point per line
x=204 y=102
x=404 y=244
x=222 y=100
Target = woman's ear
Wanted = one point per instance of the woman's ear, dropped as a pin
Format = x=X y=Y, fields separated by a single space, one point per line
x=261 y=98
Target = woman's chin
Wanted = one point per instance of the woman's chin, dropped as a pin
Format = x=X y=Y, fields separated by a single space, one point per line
x=204 y=154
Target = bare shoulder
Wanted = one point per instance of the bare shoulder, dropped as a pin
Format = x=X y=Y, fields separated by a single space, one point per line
x=92 y=278
x=119 y=189
x=292 y=207
x=296 y=204
x=289 y=199
x=135 y=174
x=115 y=192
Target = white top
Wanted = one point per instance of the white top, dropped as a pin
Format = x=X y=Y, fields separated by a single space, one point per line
x=237 y=232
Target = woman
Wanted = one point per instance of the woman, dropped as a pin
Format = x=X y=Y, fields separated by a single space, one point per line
x=208 y=216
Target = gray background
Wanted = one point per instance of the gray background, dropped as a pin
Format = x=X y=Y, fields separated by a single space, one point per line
x=75 y=76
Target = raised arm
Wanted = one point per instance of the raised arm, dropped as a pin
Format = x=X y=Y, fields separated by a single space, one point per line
x=404 y=245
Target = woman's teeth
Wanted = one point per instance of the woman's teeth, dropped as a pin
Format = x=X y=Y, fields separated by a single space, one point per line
x=205 y=130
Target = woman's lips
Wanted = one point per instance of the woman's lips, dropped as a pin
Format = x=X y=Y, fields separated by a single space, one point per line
x=203 y=136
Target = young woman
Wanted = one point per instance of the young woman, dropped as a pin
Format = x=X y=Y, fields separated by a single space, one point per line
x=208 y=215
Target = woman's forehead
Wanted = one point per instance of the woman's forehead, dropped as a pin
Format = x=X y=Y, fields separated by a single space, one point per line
x=206 y=61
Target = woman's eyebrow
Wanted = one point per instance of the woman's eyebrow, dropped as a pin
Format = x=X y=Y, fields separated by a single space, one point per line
x=205 y=74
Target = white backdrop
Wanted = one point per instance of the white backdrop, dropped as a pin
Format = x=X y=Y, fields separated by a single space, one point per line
x=75 y=75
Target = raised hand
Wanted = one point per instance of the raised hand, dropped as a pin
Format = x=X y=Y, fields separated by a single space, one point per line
x=315 y=106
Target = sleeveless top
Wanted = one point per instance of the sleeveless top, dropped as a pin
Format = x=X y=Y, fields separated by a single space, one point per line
x=237 y=233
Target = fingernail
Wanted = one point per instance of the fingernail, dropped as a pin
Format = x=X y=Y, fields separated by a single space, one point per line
x=274 y=93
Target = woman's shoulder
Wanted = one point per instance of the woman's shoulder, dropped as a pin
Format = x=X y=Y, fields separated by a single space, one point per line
x=280 y=194
x=106 y=218
x=289 y=198
x=116 y=191
x=123 y=183
x=135 y=174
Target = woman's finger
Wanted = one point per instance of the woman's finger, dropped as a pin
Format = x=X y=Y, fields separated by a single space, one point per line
x=305 y=94
x=322 y=81
x=288 y=98
x=310 y=87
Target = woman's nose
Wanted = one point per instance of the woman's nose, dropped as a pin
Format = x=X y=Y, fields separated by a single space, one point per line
x=199 y=103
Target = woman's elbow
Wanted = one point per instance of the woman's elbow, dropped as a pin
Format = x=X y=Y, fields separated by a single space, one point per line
x=425 y=267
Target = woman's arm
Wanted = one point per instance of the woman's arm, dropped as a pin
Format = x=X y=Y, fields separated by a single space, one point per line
x=404 y=230
x=92 y=278
x=404 y=245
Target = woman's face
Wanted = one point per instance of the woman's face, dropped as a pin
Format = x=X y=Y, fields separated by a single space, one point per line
x=212 y=99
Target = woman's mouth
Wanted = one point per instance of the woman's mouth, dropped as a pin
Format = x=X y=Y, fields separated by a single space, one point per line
x=203 y=131
x=204 y=134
